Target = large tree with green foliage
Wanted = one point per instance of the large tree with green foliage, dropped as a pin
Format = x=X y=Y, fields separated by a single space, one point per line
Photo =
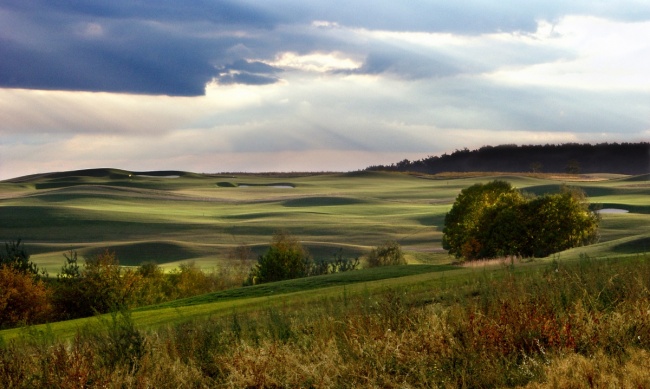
x=495 y=220
x=463 y=223
x=558 y=222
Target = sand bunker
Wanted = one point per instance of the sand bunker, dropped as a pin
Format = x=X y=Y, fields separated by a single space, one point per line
x=148 y=176
x=613 y=210
x=266 y=186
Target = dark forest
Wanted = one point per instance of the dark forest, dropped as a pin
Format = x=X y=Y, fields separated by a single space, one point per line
x=572 y=158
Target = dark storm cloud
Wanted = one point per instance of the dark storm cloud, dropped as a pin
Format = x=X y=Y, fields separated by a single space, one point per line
x=216 y=11
x=152 y=48
x=152 y=66
x=176 y=48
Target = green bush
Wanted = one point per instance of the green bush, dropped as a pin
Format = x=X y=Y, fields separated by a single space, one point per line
x=285 y=259
x=388 y=254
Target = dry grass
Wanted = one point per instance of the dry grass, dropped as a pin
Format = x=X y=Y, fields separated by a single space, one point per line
x=571 y=326
x=489 y=262
x=597 y=371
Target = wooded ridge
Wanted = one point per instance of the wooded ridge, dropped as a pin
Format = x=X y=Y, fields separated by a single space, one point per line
x=622 y=158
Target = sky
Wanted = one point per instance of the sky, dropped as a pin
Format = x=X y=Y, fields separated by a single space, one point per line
x=284 y=85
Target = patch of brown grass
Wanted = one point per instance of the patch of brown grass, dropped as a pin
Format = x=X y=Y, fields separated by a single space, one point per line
x=597 y=371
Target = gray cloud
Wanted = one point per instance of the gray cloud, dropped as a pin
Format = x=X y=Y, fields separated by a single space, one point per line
x=176 y=48
x=405 y=64
x=459 y=17
x=122 y=46
x=245 y=78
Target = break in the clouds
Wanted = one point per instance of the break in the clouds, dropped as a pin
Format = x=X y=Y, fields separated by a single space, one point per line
x=292 y=85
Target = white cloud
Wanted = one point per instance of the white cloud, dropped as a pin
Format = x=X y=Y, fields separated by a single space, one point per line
x=606 y=55
x=315 y=62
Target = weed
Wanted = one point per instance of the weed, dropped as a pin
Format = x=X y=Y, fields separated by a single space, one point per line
x=121 y=344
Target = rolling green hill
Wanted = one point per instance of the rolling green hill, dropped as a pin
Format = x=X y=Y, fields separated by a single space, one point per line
x=171 y=216
x=174 y=217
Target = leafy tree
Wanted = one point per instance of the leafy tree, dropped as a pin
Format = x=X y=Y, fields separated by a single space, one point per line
x=68 y=297
x=499 y=230
x=463 y=222
x=16 y=257
x=24 y=299
x=153 y=284
x=495 y=220
x=101 y=282
x=285 y=259
x=573 y=167
x=103 y=286
x=387 y=254
x=558 y=222
x=189 y=280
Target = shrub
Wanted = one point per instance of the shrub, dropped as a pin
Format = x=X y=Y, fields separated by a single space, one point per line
x=24 y=299
x=153 y=284
x=342 y=264
x=68 y=298
x=388 y=254
x=285 y=259
x=189 y=280
x=583 y=324
x=100 y=286
x=15 y=256
x=121 y=344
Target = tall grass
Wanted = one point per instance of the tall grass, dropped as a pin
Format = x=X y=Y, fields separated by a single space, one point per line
x=579 y=324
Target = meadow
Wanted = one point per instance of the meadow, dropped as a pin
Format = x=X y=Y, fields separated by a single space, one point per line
x=452 y=323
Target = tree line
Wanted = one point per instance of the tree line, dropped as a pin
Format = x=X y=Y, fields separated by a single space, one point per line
x=572 y=158
x=98 y=285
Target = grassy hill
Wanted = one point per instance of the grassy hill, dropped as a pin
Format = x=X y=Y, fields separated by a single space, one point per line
x=495 y=323
x=170 y=216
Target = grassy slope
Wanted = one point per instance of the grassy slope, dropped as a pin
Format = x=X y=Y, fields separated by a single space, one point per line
x=171 y=220
x=284 y=293
x=198 y=219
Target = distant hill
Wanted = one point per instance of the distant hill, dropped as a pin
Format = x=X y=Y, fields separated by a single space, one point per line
x=67 y=176
x=621 y=158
